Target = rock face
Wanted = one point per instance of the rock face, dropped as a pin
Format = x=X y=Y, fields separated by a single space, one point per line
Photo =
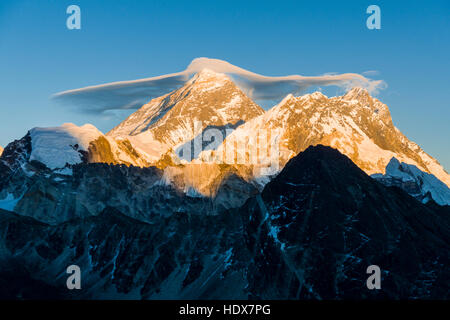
x=16 y=167
x=322 y=221
x=182 y=255
x=140 y=193
x=310 y=234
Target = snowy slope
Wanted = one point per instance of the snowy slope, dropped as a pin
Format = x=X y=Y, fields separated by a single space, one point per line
x=208 y=99
x=70 y=144
x=415 y=181
x=356 y=124
x=57 y=146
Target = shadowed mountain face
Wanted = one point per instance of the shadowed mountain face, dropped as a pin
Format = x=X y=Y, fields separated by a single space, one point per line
x=322 y=221
x=140 y=193
x=311 y=234
x=183 y=256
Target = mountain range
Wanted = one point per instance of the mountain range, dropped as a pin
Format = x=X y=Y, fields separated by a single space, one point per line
x=356 y=124
x=310 y=234
x=201 y=193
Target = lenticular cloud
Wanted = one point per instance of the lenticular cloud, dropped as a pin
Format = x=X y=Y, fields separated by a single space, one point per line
x=133 y=94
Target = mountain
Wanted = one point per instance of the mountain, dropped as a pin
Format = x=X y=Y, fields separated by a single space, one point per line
x=209 y=99
x=84 y=189
x=1 y=150
x=50 y=175
x=311 y=234
x=423 y=186
x=356 y=124
x=37 y=171
x=165 y=133
x=55 y=147
x=185 y=255
x=64 y=146
x=322 y=221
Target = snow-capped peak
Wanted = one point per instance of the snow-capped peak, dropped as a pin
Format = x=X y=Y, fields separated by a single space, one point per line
x=207 y=79
x=208 y=75
x=285 y=100
x=356 y=124
x=421 y=184
x=210 y=98
x=57 y=146
x=317 y=95
x=357 y=93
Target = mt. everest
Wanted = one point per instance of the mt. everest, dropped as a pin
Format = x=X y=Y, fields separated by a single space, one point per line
x=356 y=124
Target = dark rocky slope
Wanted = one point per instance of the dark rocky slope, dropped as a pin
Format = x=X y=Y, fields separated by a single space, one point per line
x=322 y=221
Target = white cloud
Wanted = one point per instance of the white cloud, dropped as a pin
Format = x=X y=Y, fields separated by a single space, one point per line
x=133 y=94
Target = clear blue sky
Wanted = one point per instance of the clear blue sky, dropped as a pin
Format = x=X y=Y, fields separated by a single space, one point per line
x=125 y=40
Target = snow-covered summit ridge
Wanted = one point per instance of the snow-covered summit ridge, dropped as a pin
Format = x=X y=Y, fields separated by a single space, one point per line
x=356 y=124
x=409 y=176
x=57 y=146
x=207 y=99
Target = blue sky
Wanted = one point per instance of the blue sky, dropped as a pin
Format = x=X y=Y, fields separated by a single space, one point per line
x=126 y=40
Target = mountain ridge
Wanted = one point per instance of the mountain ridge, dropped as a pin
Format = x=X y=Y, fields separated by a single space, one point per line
x=357 y=124
x=322 y=221
x=423 y=186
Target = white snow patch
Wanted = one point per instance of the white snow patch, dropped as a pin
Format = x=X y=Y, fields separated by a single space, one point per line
x=426 y=181
x=55 y=147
